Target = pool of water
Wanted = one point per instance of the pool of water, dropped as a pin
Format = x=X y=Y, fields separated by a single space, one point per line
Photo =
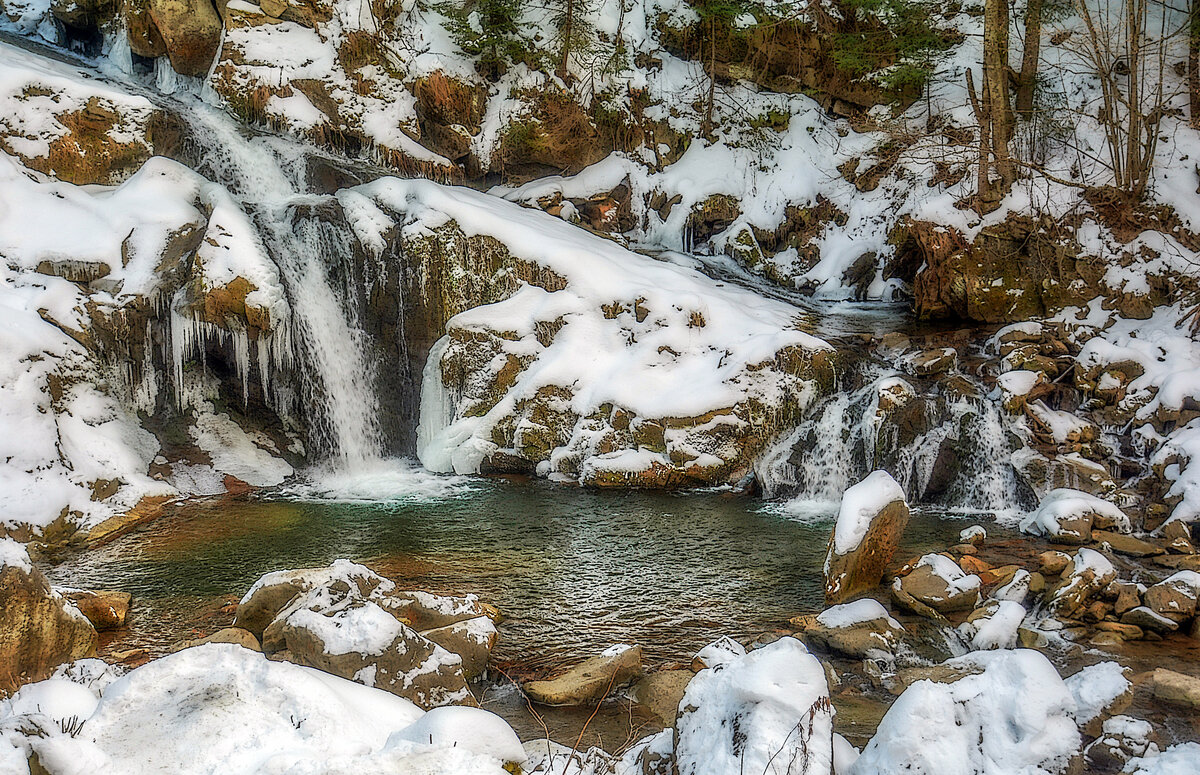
x=574 y=570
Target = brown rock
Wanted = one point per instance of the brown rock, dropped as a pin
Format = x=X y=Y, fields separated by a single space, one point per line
x=973 y=565
x=235 y=635
x=938 y=592
x=861 y=569
x=909 y=603
x=1148 y=620
x=1126 y=631
x=1128 y=597
x=191 y=32
x=1125 y=544
x=661 y=692
x=589 y=682
x=1176 y=688
x=1053 y=563
x=1089 y=573
x=1175 y=597
x=105 y=609
x=39 y=629
x=473 y=640
x=144 y=38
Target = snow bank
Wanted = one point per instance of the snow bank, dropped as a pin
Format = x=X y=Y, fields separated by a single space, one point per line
x=1180 y=759
x=766 y=712
x=1095 y=688
x=222 y=708
x=1014 y=717
x=860 y=505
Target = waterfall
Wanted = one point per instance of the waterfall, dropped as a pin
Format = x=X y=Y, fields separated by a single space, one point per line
x=946 y=451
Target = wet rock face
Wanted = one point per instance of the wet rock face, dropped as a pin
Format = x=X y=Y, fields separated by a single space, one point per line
x=39 y=629
x=849 y=574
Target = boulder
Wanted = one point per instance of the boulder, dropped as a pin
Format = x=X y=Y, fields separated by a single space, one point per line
x=234 y=635
x=191 y=33
x=993 y=625
x=1089 y=573
x=426 y=611
x=1065 y=516
x=855 y=629
x=473 y=640
x=929 y=362
x=1147 y=619
x=1175 y=597
x=359 y=640
x=105 y=609
x=722 y=650
x=275 y=591
x=869 y=527
x=766 y=712
x=661 y=692
x=1121 y=738
x=1101 y=691
x=591 y=681
x=1053 y=563
x=1126 y=544
x=39 y=629
x=1014 y=716
x=1176 y=688
x=940 y=584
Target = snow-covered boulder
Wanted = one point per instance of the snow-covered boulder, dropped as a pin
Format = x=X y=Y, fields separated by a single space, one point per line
x=1121 y=738
x=350 y=621
x=592 y=680
x=1014 y=717
x=1101 y=690
x=766 y=712
x=855 y=629
x=993 y=625
x=938 y=582
x=1067 y=516
x=224 y=708
x=1174 y=597
x=1179 y=759
x=870 y=524
x=1088 y=573
x=570 y=357
x=39 y=628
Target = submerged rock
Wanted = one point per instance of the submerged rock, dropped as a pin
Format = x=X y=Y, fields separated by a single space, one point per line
x=868 y=530
x=591 y=681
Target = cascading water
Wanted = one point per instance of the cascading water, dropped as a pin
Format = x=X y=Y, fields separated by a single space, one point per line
x=947 y=451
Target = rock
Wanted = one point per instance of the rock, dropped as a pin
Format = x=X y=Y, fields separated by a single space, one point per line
x=974 y=565
x=1066 y=516
x=726 y=649
x=869 y=527
x=909 y=603
x=1125 y=631
x=1053 y=563
x=1175 y=597
x=1121 y=738
x=1125 y=544
x=1101 y=691
x=105 y=609
x=358 y=640
x=144 y=38
x=974 y=535
x=234 y=635
x=1089 y=573
x=1176 y=688
x=940 y=584
x=274 y=591
x=591 y=681
x=473 y=640
x=75 y=270
x=1030 y=638
x=39 y=629
x=191 y=32
x=928 y=362
x=1016 y=589
x=771 y=705
x=425 y=611
x=855 y=629
x=993 y=625
x=945 y=673
x=1147 y=619
x=1128 y=597
x=1012 y=717
x=963 y=549
x=661 y=692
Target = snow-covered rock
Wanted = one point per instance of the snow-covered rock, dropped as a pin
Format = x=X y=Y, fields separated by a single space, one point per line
x=1101 y=690
x=224 y=708
x=1067 y=516
x=1088 y=573
x=855 y=629
x=994 y=625
x=870 y=524
x=938 y=582
x=766 y=712
x=1175 y=597
x=1014 y=717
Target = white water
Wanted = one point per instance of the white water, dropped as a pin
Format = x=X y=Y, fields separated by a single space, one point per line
x=323 y=321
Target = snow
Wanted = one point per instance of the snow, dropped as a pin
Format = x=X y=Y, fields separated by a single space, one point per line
x=363 y=629
x=1014 y=717
x=765 y=712
x=1062 y=504
x=1096 y=687
x=858 y=612
x=948 y=570
x=1179 y=759
x=997 y=627
x=721 y=651
x=13 y=555
x=223 y=708
x=860 y=505
x=974 y=531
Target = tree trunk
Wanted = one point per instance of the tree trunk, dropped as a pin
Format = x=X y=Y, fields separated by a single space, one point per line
x=998 y=106
x=568 y=31
x=1030 y=55
x=1193 y=63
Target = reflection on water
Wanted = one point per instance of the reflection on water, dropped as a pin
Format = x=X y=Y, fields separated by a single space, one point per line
x=574 y=570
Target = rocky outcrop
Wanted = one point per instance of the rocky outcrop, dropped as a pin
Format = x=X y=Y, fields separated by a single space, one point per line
x=867 y=533
x=39 y=629
x=591 y=681
x=349 y=621
x=191 y=33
